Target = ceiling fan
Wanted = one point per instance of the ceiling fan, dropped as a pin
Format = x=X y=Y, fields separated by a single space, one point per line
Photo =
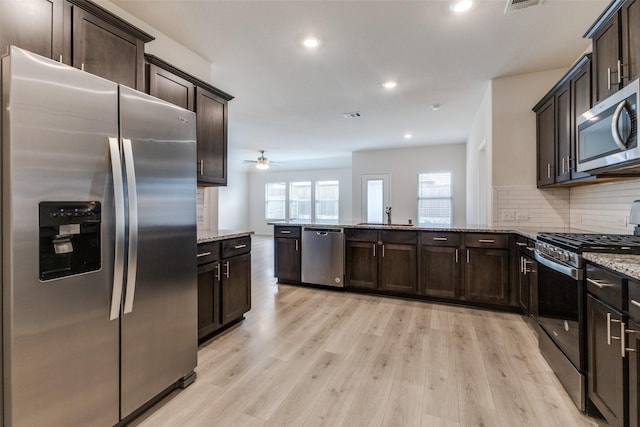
x=262 y=162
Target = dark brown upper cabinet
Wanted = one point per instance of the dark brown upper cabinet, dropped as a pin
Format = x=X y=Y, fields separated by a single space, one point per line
x=556 y=134
x=34 y=25
x=616 y=48
x=210 y=104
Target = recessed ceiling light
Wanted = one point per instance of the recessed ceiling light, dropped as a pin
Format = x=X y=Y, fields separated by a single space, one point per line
x=408 y=136
x=435 y=107
x=461 y=6
x=390 y=84
x=311 y=42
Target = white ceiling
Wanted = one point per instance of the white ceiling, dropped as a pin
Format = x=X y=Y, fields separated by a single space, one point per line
x=289 y=100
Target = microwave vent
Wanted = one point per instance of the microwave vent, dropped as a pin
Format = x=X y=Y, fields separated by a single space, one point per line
x=514 y=5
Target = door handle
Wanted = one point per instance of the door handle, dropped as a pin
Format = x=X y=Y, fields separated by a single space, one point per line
x=132 y=261
x=118 y=196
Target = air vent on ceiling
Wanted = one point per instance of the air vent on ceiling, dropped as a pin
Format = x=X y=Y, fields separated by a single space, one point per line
x=513 y=5
x=354 y=115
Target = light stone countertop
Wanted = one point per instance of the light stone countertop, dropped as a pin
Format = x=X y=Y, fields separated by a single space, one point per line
x=629 y=265
x=206 y=236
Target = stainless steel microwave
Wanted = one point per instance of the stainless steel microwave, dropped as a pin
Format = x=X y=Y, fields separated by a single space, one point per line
x=608 y=134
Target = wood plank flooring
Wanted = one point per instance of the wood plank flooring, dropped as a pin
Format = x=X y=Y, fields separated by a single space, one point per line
x=309 y=357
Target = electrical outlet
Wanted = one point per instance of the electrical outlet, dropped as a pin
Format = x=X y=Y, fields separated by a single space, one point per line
x=507 y=215
x=522 y=216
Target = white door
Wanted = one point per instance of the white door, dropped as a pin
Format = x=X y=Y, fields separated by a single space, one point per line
x=376 y=196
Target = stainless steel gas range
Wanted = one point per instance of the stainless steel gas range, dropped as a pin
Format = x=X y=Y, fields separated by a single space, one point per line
x=559 y=302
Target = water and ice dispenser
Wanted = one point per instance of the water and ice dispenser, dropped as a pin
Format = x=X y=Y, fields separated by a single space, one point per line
x=69 y=238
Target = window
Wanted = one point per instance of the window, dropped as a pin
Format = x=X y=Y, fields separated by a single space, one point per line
x=304 y=201
x=300 y=200
x=327 y=200
x=434 y=199
x=275 y=200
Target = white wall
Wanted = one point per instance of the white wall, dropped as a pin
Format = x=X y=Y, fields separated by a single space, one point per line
x=233 y=201
x=404 y=164
x=258 y=179
x=479 y=136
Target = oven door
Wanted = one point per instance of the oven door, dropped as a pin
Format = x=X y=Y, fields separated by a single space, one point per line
x=560 y=307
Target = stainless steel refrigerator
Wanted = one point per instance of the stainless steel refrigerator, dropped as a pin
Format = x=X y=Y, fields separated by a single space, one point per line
x=99 y=286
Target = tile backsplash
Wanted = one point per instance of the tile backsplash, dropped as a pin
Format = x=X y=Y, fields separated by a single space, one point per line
x=202 y=209
x=599 y=208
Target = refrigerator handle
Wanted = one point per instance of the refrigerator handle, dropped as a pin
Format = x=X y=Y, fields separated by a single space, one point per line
x=118 y=193
x=132 y=261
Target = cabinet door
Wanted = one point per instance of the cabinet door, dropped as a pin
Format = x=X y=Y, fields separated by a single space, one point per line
x=287 y=260
x=398 y=268
x=581 y=95
x=631 y=40
x=564 y=133
x=523 y=281
x=486 y=277
x=165 y=85
x=606 y=52
x=546 y=140
x=439 y=271
x=208 y=299
x=634 y=374
x=236 y=287
x=211 y=113
x=34 y=25
x=361 y=265
x=606 y=365
x=101 y=48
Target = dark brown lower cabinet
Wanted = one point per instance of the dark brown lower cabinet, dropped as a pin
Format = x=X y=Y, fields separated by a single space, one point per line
x=287 y=259
x=361 y=265
x=208 y=299
x=486 y=276
x=439 y=271
x=398 y=268
x=235 y=287
x=606 y=376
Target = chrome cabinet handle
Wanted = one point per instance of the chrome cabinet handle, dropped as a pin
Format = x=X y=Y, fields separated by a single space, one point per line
x=623 y=339
x=285 y=232
x=200 y=167
x=82 y=66
x=521 y=264
x=456 y=256
x=569 y=167
x=297 y=246
x=226 y=269
x=440 y=239
x=531 y=249
x=636 y=303
x=620 y=76
x=374 y=249
x=631 y=331
x=382 y=251
x=521 y=244
x=548 y=170
x=132 y=194
x=239 y=246
x=598 y=283
x=468 y=257
x=203 y=254
x=563 y=166
x=60 y=60
x=119 y=241
x=608 y=78
x=486 y=241
x=217 y=275
x=609 y=322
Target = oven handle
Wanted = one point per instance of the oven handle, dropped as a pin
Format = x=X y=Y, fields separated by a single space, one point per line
x=614 y=126
x=574 y=273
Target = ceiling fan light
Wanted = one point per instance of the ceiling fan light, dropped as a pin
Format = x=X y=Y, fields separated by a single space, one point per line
x=262 y=164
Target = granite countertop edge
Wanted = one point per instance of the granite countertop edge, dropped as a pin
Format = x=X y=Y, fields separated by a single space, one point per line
x=628 y=265
x=207 y=237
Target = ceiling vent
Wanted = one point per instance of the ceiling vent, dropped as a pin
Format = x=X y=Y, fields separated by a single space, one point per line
x=514 y=5
x=354 y=115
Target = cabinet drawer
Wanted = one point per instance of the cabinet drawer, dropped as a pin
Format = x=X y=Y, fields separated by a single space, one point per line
x=634 y=300
x=606 y=286
x=361 y=235
x=208 y=252
x=233 y=247
x=286 y=231
x=440 y=239
x=481 y=240
x=402 y=237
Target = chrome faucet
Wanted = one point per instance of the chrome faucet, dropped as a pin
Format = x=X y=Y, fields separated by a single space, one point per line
x=387 y=211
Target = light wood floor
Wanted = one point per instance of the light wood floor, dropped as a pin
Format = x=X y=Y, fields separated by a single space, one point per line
x=309 y=357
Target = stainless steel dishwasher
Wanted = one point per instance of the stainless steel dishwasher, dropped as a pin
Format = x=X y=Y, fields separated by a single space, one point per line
x=323 y=256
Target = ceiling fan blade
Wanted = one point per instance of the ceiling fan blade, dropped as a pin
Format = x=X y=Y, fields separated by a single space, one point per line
x=249 y=161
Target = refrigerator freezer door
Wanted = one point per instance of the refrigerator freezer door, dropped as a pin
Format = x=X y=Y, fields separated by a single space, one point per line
x=60 y=350
x=159 y=322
